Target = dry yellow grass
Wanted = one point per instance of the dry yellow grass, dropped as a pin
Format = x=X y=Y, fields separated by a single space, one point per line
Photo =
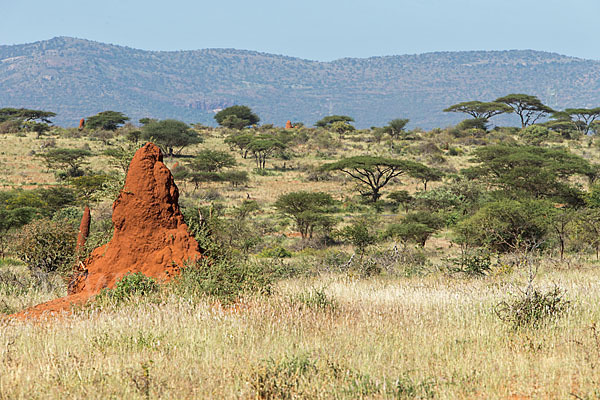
x=436 y=336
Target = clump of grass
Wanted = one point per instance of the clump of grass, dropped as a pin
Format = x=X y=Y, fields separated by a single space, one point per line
x=224 y=279
x=301 y=376
x=315 y=299
x=534 y=309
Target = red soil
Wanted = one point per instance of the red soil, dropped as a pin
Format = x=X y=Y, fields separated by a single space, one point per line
x=149 y=235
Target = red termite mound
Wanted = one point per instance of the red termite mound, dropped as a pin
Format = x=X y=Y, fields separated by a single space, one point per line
x=288 y=124
x=149 y=234
x=84 y=229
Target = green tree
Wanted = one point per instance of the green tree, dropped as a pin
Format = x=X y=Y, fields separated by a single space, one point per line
x=395 y=127
x=341 y=128
x=262 y=147
x=583 y=118
x=236 y=117
x=401 y=197
x=507 y=225
x=307 y=209
x=169 y=134
x=69 y=159
x=241 y=141
x=331 y=119
x=530 y=171
x=529 y=108
x=88 y=186
x=106 y=120
x=427 y=174
x=373 y=172
x=359 y=235
x=417 y=227
x=480 y=110
x=212 y=161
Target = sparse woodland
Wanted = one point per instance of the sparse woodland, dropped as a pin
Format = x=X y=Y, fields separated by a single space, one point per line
x=460 y=262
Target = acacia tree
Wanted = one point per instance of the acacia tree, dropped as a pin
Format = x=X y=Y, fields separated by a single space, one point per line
x=307 y=209
x=529 y=108
x=170 y=134
x=426 y=174
x=583 y=118
x=373 y=172
x=107 y=120
x=236 y=117
x=70 y=159
x=262 y=147
x=480 y=110
x=331 y=119
x=341 y=128
x=530 y=171
x=395 y=127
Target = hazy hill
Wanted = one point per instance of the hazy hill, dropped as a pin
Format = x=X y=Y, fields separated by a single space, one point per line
x=77 y=78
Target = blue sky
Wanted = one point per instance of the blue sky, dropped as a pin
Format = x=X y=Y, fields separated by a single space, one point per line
x=318 y=30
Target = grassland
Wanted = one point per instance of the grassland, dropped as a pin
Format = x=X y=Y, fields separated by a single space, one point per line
x=323 y=333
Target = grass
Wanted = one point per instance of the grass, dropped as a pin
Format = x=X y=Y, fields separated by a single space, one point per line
x=432 y=337
x=418 y=334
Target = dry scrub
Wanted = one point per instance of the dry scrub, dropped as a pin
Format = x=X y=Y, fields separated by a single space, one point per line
x=433 y=337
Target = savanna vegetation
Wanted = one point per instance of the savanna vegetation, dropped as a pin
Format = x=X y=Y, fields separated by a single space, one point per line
x=460 y=262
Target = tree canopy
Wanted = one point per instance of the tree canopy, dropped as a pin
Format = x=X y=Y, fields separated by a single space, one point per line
x=236 y=117
x=331 y=119
x=530 y=171
x=529 y=108
x=373 y=172
x=479 y=109
x=169 y=134
x=308 y=209
x=107 y=120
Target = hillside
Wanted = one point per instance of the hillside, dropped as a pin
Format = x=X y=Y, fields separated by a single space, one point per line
x=78 y=78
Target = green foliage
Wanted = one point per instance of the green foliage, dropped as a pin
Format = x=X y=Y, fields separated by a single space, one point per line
x=131 y=285
x=212 y=161
x=236 y=117
x=416 y=227
x=529 y=108
x=533 y=309
x=47 y=246
x=262 y=147
x=308 y=209
x=224 y=279
x=401 y=197
x=373 y=172
x=535 y=134
x=331 y=119
x=69 y=159
x=472 y=263
x=530 y=171
x=276 y=252
x=395 y=128
x=480 y=110
x=87 y=187
x=359 y=235
x=507 y=225
x=169 y=134
x=106 y=120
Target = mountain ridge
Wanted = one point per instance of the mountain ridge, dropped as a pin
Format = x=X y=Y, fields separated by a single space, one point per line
x=78 y=77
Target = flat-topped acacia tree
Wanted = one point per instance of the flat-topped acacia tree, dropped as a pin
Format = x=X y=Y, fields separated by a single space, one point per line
x=374 y=172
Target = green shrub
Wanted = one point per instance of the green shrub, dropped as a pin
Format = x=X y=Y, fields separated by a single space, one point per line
x=276 y=252
x=47 y=246
x=224 y=279
x=475 y=263
x=533 y=309
x=131 y=285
